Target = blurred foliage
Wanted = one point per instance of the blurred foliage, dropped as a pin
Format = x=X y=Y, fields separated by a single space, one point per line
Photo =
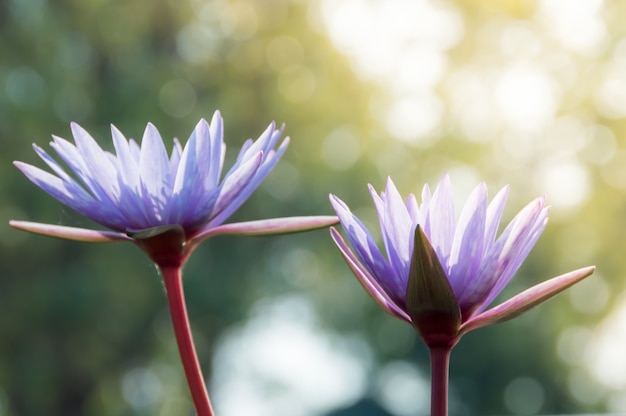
x=521 y=95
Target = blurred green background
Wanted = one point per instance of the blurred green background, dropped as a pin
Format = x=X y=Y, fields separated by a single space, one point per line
x=527 y=93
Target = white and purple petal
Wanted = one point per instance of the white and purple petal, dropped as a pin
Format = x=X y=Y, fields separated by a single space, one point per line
x=154 y=174
x=468 y=244
x=231 y=192
x=269 y=160
x=499 y=257
x=370 y=283
x=442 y=219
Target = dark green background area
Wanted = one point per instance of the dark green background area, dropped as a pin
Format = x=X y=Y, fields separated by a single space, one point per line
x=75 y=318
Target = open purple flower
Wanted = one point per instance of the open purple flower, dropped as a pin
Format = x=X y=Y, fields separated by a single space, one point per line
x=140 y=192
x=474 y=264
x=164 y=204
x=440 y=274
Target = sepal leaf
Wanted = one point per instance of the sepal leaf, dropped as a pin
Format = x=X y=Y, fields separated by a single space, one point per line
x=526 y=300
x=269 y=226
x=430 y=301
x=70 y=233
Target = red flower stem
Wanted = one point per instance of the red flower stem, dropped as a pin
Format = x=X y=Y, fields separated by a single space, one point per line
x=439 y=363
x=172 y=276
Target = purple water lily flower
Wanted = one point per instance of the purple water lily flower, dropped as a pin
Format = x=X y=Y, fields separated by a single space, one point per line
x=140 y=192
x=165 y=204
x=440 y=274
x=476 y=265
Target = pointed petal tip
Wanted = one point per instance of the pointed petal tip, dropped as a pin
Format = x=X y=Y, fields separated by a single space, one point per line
x=586 y=271
x=76 y=129
x=22 y=166
x=115 y=130
x=334 y=234
x=338 y=204
x=204 y=123
x=151 y=130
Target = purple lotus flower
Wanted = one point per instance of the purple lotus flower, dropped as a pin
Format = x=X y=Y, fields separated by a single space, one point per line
x=441 y=272
x=141 y=192
x=165 y=204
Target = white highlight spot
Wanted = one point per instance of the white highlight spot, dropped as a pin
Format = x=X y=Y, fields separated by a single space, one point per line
x=415 y=119
x=610 y=97
x=578 y=25
x=525 y=97
x=566 y=184
x=378 y=35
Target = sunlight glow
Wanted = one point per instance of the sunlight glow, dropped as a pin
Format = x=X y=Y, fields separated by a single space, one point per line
x=610 y=98
x=578 y=24
x=520 y=41
x=472 y=104
x=377 y=34
x=414 y=119
x=401 y=44
x=525 y=97
x=566 y=183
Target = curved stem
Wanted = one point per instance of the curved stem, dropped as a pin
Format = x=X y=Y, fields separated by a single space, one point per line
x=439 y=363
x=172 y=277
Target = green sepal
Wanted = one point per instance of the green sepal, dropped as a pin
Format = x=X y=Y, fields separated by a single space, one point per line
x=430 y=301
x=154 y=231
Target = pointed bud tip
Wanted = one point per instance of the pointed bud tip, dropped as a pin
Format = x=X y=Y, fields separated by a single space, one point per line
x=430 y=301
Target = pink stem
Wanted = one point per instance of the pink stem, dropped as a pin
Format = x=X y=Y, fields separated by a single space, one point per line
x=439 y=363
x=172 y=277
